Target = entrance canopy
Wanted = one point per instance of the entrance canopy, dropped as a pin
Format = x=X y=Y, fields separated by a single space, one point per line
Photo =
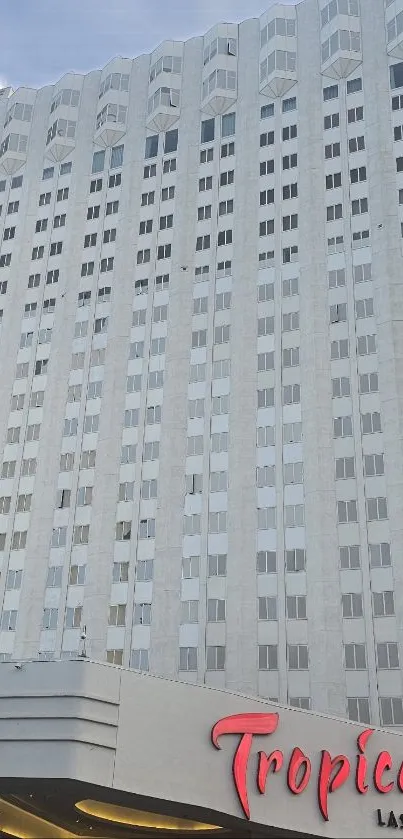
x=94 y=750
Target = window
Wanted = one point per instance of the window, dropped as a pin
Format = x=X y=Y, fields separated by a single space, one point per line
x=169 y=165
x=217 y=522
x=115 y=180
x=266 y=167
x=345 y=468
x=368 y=383
x=338 y=313
x=168 y=193
x=396 y=75
x=373 y=465
x=332 y=150
x=383 y=603
x=207 y=130
x=88 y=460
x=206 y=155
x=217 y=565
x=347 y=511
x=387 y=654
x=364 y=308
x=265 y=436
x=225 y=207
x=266 y=562
x=291 y=394
x=215 y=658
x=112 y=207
x=267 y=111
x=366 y=344
x=96 y=185
x=61 y=195
x=227 y=178
x=188 y=658
x=144 y=569
x=391 y=708
x=54 y=578
x=265 y=398
x=58 y=537
x=358 y=709
x=19 y=540
x=294 y=515
x=117 y=615
x=379 y=555
x=290 y=287
x=227 y=149
x=81 y=534
x=356 y=144
x=13 y=207
x=56 y=248
x=265 y=361
x=202 y=243
x=117 y=151
x=265 y=476
x=28 y=466
x=339 y=349
x=222 y=334
x=267 y=657
x=290 y=321
x=267 y=608
x=163 y=251
x=266 y=518
x=266 y=228
x=355 y=657
x=70 y=427
x=290 y=191
x=333 y=181
x=63 y=498
x=358 y=175
x=190 y=567
x=73 y=617
x=350 y=557
x=151 y=451
x=150 y=171
x=334 y=212
x=330 y=92
x=290 y=222
x=290 y=161
x=114 y=657
x=84 y=496
x=352 y=605
x=67 y=462
x=142 y=614
x=123 y=531
x=49 y=620
x=228 y=125
x=289 y=132
x=48 y=173
x=220 y=404
x=297 y=655
x=337 y=278
x=37 y=253
x=290 y=254
x=52 y=276
x=359 y=206
x=296 y=607
x=224 y=237
x=331 y=121
x=98 y=162
x=166 y=222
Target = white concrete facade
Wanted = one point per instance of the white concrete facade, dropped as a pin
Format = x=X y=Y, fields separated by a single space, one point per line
x=205 y=475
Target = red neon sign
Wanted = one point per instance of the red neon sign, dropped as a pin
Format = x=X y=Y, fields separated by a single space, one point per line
x=333 y=771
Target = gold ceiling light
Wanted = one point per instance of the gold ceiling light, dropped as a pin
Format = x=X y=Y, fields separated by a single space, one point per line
x=139 y=818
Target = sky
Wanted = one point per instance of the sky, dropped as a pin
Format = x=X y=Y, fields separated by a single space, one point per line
x=43 y=39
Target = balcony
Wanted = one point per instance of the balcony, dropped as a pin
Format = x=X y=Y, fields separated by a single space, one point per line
x=110 y=124
x=13 y=152
x=163 y=108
